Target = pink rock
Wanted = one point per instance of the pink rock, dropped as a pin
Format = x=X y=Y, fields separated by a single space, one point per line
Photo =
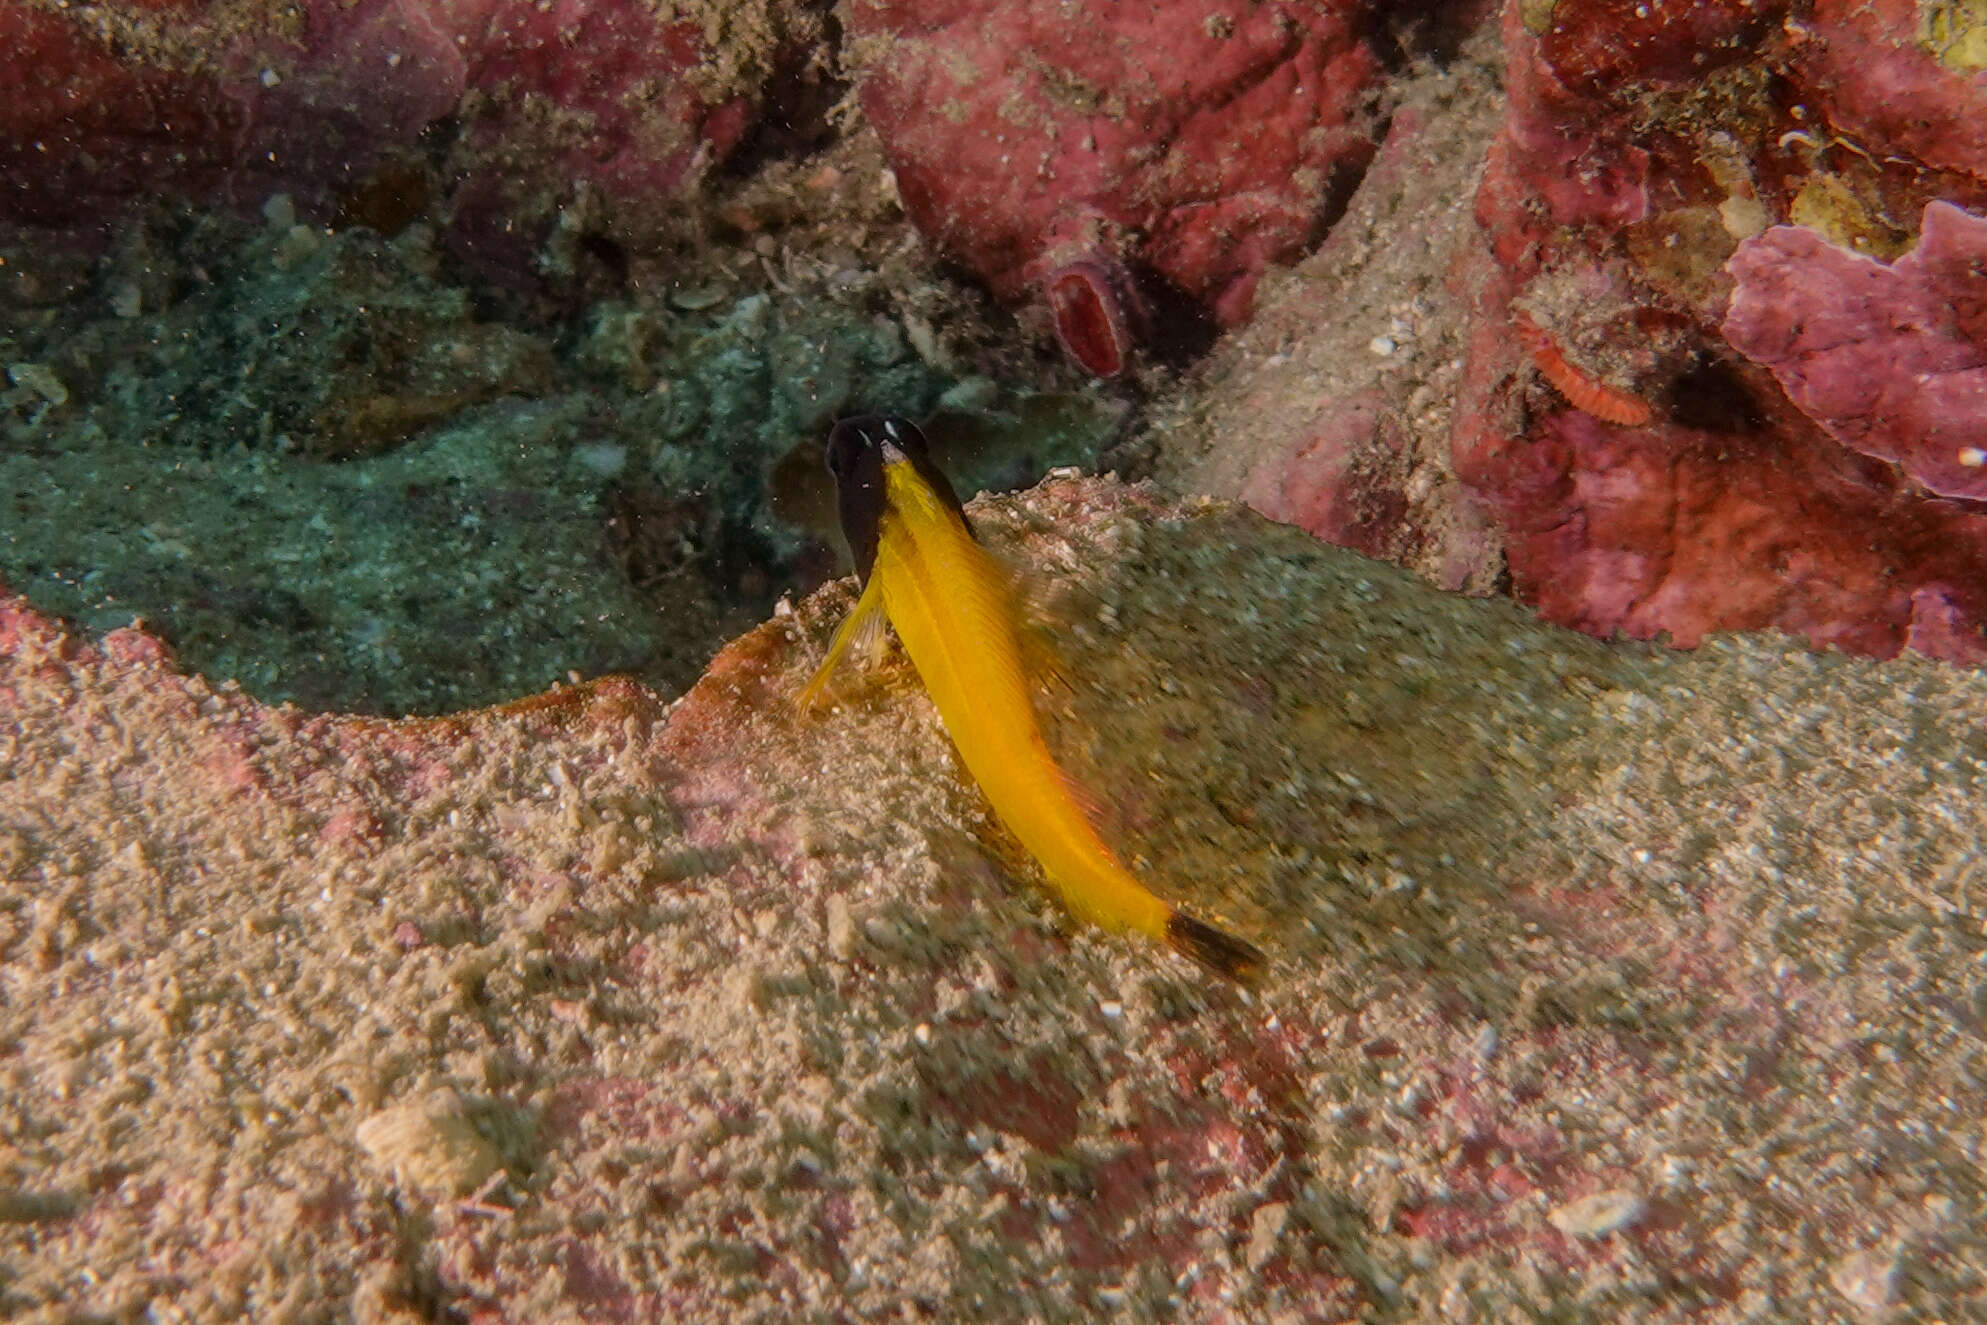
x=592 y=91
x=1575 y=161
x=1940 y=626
x=1759 y=518
x=1664 y=530
x=1864 y=65
x=1596 y=48
x=81 y=126
x=1335 y=483
x=1889 y=359
x=131 y=646
x=320 y=107
x=1050 y=149
x=614 y=73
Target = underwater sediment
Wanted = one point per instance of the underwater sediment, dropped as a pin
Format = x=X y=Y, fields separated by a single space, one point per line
x=1602 y=975
x=1605 y=979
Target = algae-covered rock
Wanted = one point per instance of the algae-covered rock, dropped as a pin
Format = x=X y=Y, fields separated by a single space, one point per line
x=469 y=564
x=334 y=345
x=305 y=459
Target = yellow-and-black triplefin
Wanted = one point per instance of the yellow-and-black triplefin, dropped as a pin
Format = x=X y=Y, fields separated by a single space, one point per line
x=922 y=570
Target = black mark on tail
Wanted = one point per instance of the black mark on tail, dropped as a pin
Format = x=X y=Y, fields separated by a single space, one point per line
x=1220 y=952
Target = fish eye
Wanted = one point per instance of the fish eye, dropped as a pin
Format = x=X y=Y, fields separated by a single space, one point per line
x=846 y=443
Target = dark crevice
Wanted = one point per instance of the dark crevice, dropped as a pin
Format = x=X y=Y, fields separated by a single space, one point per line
x=799 y=94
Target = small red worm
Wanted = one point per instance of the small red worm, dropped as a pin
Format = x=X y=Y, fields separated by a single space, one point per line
x=1583 y=392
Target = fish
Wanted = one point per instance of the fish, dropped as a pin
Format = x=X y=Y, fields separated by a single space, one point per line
x=924 y=573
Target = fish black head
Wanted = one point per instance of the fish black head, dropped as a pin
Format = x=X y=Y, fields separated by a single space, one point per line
x=857 y=451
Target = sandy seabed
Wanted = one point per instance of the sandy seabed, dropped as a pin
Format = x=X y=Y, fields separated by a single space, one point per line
x=1608 y=983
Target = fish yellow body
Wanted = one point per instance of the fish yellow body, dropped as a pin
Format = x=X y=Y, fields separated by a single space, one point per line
x=954 y=612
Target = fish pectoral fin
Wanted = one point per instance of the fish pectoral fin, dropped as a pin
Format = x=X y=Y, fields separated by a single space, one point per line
x=1032 y=599
x=863 y=637
x=1044 y=662
x=1087 y=801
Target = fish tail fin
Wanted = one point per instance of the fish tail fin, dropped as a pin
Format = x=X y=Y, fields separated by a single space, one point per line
x=1219 y=951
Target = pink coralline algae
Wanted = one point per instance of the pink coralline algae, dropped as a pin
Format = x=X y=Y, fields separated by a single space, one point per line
x=1732 y=176
x=1068 y=154
x=1890 y=360
x=1768 y=410
x=593 y=91
x=1678 y=532
x=1875 y=65
x=1568 y=170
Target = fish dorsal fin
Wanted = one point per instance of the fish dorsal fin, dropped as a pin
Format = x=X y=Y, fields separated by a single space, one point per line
x=861 y=638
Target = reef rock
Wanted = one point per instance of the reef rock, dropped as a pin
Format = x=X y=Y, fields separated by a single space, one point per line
x=1686 y=374
x=1680 y=532
x=81 y=126
x=1336 y=483
x=634 y=1011
x=1651 y=207
x=137 y=99
x=1890 y=360
x=1901 y=78
x=1073 y=156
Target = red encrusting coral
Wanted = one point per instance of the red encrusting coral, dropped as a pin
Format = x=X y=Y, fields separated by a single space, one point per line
x=1679 y=532
x=1639 y=151
x=1872 y=69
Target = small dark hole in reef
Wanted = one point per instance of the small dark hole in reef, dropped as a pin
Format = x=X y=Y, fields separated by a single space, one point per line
x=607 y=258
x=1179 y=328
x=1341 y=182
x=653 y=533
x=1710 y=396
x=1403 y=33
x=397 y=194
